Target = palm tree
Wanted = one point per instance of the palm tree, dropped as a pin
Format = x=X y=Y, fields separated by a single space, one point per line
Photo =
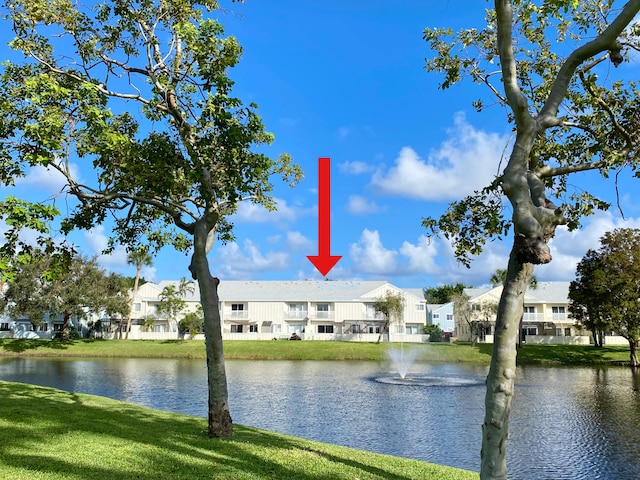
x=500 y=274
x=137 y=257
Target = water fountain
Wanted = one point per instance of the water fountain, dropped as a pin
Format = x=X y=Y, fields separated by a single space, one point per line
x=403 y=359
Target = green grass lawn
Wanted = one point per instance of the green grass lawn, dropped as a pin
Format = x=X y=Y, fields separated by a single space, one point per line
x=313 y=350
x=50 y=434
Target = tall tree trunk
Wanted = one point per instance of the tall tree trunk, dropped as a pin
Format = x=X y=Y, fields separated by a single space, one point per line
x=502 y=372
x=133 y=298
x=633 y=352
x=66 y=317
x=219 y=417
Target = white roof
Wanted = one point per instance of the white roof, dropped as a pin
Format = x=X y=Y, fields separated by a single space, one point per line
x=293 y=290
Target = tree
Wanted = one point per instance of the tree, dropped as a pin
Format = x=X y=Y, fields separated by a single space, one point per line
x=607 y=288
x=390 y=306
x=172 y=301
x=169 y=172
x=588 y=305
x=566 y=119
x=477 y=316
x=442 y=294
x=139 y=257
x=81 y=289
x=192 y=322
x=435 y=333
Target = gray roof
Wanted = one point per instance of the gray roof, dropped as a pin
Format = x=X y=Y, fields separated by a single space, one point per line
x=548 y=292
x=416 y=292
x=292 y=290
x=545 y=292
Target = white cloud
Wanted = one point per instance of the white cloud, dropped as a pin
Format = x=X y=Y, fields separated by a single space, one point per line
x=47 y=180
x=370 y=256
x=568 y=248
x=422 y=256
x=355 y=168
x=97 y=242
x=296 y=242
x=358 y=205
x=468 y=160
x=285 y=214
x=237 y=263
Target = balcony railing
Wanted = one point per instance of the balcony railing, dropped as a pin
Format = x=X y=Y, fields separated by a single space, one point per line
x=237 y=314
x=295 y=314
x=322 y=315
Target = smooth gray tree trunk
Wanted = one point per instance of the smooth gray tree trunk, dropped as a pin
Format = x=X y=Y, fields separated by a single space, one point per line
x=502 y=372
x=219 y=417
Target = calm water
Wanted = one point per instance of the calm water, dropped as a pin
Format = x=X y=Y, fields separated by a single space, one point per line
x=566 y=423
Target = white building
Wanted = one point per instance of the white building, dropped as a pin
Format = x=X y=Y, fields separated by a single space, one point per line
x=314 y=310
x=546 y=316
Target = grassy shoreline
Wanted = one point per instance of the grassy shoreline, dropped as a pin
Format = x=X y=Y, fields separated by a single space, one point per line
x=54 y=435
x=313 y=350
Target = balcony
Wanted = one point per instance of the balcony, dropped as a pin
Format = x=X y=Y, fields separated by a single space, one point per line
x=236 y=315
x=323 y=315
x=296 y=314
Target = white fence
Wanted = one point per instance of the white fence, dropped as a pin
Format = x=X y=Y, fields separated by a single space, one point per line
x=557 y=340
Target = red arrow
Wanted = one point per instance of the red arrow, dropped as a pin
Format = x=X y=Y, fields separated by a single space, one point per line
x=324 y=261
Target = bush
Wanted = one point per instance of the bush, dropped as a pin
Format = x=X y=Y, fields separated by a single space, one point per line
x=435 y=333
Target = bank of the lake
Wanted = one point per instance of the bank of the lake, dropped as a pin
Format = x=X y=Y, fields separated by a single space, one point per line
x=50 y=434
x=313 y=350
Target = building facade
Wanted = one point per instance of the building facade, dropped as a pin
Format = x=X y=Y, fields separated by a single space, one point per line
x=312 y=310
x=545 y=319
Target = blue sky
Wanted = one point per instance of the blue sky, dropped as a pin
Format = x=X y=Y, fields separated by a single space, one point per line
x=345 y=80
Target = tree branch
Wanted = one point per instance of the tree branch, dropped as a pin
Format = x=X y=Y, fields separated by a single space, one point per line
x=607 y=40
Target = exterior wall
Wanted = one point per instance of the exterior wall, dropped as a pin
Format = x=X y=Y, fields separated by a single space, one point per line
x=275 y=319
x=439 y=316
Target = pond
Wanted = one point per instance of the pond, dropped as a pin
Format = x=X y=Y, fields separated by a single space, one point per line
x=566 y=423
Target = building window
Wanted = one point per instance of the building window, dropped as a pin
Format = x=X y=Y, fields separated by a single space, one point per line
x=558 y=313
x=322 y=310
x=412 y=329
x=276 y=328
x=530 y=330
x=4 y=326
x=355 y=328
x=137 y=307
x=373 y=329
x=449 y=316
x=436 y=316
x=419 y=307
x=297 y=310
x=253 y=328
x=567 y=332
x=325 y=328
x=236 y=328
x=237 y=310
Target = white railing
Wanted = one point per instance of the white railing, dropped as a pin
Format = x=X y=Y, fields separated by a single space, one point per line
x=237 y=314
x=330 y=315
x=533 y=317
x=295 y=314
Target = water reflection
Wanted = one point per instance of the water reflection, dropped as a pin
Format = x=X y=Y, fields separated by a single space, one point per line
x=567 y=423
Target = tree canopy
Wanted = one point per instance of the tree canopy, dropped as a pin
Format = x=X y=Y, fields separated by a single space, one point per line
x=606 y=292
x=139 y=93
x=559 y=70
x=443 y=293
x=82 y=289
